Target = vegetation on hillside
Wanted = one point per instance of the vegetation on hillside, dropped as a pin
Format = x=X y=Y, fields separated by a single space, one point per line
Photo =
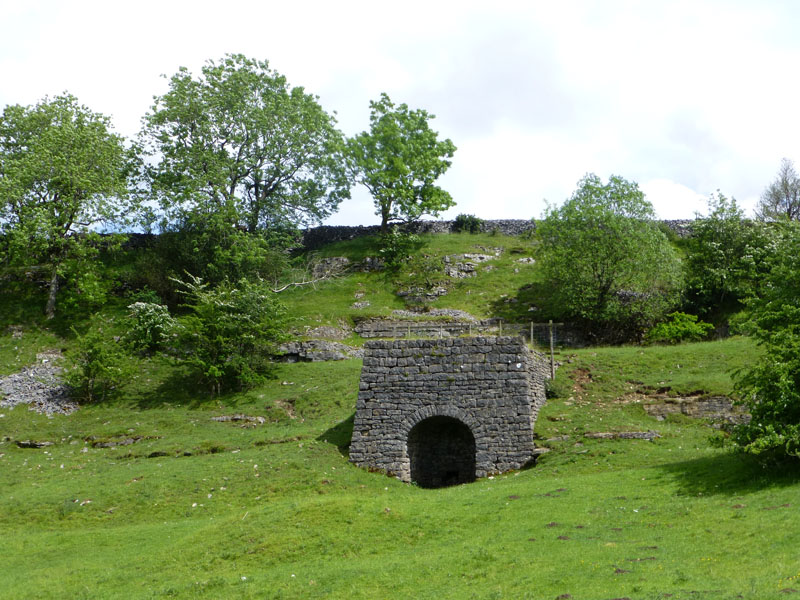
x=195 y=449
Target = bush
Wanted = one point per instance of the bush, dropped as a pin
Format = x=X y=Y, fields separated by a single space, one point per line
x=232 y=332
x=150 y=325
x=467 y=224
x=770 y=389
x=97 y=366
x=680 y=328
x=396 y=246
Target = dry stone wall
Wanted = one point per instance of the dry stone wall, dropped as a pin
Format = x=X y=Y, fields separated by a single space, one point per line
x=418 y=398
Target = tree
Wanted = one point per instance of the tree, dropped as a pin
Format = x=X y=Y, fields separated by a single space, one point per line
x=238 y=141
x=399 y=160
x=781 y=199
x=771 y=387
x=606 y=265
x=726 y=258
x=232 y=331
x=62 y=173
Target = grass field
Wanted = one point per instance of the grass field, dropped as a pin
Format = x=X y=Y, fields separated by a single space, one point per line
x=147 y=496
x=199 y=508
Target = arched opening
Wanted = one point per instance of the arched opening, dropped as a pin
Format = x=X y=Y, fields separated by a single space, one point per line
x=441 y=451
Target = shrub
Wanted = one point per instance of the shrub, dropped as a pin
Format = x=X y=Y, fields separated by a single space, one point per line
x=679 y=328
x=150 y=325
x=232 y=331
x=97 y=366
x=467 y=224
x=396 y=246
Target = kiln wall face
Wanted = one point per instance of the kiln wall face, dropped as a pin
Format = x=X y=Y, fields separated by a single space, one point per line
x=492 y=385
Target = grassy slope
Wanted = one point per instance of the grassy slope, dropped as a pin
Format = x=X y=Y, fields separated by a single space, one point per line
x=198 y=508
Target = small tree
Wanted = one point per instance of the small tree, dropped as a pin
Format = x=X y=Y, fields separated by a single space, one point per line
x=781 y=199
x=771 y=387
x=606 y=265
x=399 y=160
x=97 y=366
x=726 y=259
x=232 y=332
x=62 y=173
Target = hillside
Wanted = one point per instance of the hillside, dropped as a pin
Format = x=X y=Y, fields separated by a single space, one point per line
x=167 y=492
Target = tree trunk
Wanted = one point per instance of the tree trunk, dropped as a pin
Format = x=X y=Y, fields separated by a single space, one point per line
x=50 y=309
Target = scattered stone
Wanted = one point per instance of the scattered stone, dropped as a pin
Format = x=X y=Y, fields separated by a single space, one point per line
x=33 y=444
x=115 y=443
x=360 y=305
x=39 y=386
x=239 y=418
x=526 y=260
x=552 y=524
x=623 y=435
x=619 y=571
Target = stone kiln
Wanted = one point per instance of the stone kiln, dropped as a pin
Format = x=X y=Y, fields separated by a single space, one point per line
x=443 y=412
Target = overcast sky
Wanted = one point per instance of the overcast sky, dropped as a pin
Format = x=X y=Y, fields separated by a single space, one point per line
x=682 y=97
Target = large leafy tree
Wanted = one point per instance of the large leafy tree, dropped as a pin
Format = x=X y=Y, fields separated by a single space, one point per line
x=63 y=172
x=606 y=265
x=781 y=199
x=399 y=160
x=238 y=142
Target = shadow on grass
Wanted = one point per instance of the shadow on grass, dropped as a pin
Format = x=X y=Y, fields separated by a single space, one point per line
x=340 y=435
x=181 y=388
x=731 y=473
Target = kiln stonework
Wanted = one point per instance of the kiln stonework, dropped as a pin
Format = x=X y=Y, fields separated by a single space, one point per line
x=447 y=411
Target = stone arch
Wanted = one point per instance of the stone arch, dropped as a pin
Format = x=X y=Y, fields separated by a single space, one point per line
x=441 y=452
x=448 y=432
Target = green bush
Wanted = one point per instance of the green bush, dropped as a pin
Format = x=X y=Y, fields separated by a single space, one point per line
x=149 y=325
x=97 y=366
x=679 y=328
x=396 y=246
x=467 y=224
x=232 y=332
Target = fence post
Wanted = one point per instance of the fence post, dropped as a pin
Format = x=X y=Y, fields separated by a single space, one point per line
x=552 y=356
x=531 y=336
x=501 y=326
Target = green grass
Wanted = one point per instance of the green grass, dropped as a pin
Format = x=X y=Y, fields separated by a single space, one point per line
x=492 y=292
x=195 y=508
x=199 y=508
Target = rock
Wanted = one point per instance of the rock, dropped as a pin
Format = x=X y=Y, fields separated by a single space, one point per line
x=240 y=417
x=318 y=350
x=332 y=265
x=623 y=435
x=33 y=444
x=329 y=333
x=360 y=305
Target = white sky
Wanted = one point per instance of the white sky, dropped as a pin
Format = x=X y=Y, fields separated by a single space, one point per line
x=684 y=97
